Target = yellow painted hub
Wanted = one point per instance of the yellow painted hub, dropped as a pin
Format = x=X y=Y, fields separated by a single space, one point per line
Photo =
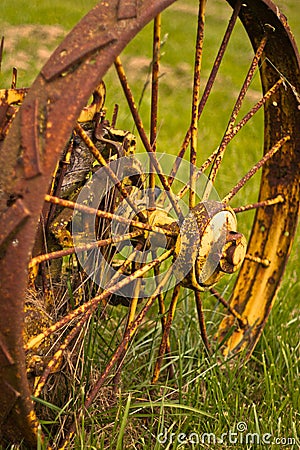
x=209 y=242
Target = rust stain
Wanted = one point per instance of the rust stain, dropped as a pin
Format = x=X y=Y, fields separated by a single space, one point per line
x=5 y=358
x=3 y=111
x=30 y=140
x=13 y=218
x=11 y=396
x=127 y=9
x=66 y=60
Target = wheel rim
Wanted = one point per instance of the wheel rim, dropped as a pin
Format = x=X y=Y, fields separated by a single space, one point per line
x=277 y=223
x=272 y=233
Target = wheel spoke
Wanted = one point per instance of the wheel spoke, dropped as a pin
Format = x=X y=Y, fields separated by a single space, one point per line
x=238 y=104
x=92 y=304
x=55 y=360
x=241 y=320
x=82 y=248
x=263 y=261
x=1 y=51
x=167 y=350
x=202 y=321
x=65 y=321
x=255 y=108
x=165 y=341
x=255 y=168
x=270 y=202
x=114 y=116
x=235 y=130
x=138 y=122
x=132 y=104
x=162 y=313
x=56 y=190
x=75 y=331
x=87 y=140
x=208 y=86
x=126 y=339
x=106 y=215
x=199 y=172
x=154 y=103
x=129 y=334
x=130 y=318
x=195 y=101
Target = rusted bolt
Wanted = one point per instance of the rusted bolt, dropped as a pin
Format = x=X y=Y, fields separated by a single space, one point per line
x=209 y=243
x=233 y=252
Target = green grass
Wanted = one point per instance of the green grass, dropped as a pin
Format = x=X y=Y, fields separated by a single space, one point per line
x=206 y=395
x=65 y=13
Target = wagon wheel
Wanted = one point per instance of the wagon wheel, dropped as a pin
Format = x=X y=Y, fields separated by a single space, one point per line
x=195 y=242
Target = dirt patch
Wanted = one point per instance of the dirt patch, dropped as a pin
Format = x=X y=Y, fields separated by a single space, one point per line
x=216 y=9
x=28 y=47
x=139 y=68
x=184 y=8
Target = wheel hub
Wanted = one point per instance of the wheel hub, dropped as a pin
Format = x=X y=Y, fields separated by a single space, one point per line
x=210 y=243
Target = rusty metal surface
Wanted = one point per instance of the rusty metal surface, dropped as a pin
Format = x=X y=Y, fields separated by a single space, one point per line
x=38 y=135
x=274 y=228
x=30 y=139
x=9 y=100
x=28 y=157
x=127 y=9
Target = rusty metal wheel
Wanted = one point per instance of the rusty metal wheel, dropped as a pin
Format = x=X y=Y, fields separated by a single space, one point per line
x=145 y=222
